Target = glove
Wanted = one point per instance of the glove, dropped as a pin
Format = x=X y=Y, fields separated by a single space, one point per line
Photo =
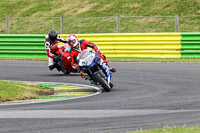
x=55 y=58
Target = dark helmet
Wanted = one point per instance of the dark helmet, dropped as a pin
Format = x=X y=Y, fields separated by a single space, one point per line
x=53 y=35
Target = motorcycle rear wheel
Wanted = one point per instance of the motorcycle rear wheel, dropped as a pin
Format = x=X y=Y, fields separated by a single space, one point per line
x=65 y=71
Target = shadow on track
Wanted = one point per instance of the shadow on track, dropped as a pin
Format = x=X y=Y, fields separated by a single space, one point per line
x=60 y=75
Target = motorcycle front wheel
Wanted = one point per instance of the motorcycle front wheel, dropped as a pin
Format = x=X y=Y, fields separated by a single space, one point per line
x=102 y=82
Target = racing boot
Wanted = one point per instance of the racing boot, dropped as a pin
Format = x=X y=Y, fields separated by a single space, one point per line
x=82 y=75
x=51 y=67
x=112 y=69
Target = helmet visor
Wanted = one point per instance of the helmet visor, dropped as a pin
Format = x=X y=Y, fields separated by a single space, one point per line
x=72 y=42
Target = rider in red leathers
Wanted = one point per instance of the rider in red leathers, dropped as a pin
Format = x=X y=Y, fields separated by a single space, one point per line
x=77 y=46
x=52 y=47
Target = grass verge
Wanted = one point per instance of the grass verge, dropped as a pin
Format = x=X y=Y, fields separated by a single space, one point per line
x=137 y=59
x=172 y=130
x=10 y=91
x=25 y=58
x=119 y=59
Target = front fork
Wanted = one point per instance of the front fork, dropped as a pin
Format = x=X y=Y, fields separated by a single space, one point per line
x=106 y=71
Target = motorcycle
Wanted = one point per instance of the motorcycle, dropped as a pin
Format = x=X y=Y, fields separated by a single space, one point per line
x=63 y=64
x=94 y=69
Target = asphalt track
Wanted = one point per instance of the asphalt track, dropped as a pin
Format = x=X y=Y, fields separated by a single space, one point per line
x=145 y=95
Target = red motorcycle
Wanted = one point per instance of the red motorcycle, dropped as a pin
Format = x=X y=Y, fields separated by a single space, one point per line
x=64 y=62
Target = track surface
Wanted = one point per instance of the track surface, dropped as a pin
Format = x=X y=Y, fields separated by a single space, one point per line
x=145 y=95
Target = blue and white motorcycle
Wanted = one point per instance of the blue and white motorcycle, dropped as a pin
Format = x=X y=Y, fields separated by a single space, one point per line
x=94 y=69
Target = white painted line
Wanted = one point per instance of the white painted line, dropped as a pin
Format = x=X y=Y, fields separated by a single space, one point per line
x=82 y=113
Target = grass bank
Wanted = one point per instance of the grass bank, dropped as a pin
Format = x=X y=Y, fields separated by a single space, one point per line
x=10 y=91
x=172 y=130
x=82 y=16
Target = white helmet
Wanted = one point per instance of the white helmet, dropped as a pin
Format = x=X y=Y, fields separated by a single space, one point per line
x=72 y=40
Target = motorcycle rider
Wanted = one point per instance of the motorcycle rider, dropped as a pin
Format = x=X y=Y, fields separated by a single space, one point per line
x=77 y=46
x=52 y=48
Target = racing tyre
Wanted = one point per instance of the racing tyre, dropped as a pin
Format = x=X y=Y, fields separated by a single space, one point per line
x=65 y=71
x=102 y=82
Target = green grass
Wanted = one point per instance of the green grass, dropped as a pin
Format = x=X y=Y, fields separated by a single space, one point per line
x=135 y=59
x=41 y=8
x=172 y=130
x=10 y=91
x=25 y=58
x=75 y=15
x=119 y=59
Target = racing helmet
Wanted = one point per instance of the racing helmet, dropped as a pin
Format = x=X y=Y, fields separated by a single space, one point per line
x=53 y=35
x=72 y=40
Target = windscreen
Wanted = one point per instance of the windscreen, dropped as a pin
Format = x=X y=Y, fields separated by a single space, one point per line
x=84 y=54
